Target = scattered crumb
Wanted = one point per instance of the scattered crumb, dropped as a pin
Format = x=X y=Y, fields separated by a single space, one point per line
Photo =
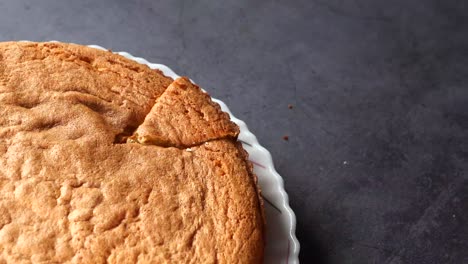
x=454 y=216
x=286 y=138
x=290 y=106
x=345 y=162
x=188 y=149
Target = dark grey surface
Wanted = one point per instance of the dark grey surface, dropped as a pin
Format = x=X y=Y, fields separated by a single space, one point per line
x=377 y=158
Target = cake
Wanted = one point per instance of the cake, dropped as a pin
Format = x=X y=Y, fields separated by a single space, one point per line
x=103 y=160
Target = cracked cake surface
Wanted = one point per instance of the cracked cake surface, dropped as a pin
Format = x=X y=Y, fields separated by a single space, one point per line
x=105 y=160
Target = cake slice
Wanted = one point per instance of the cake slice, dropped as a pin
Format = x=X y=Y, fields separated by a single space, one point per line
x=184 y=116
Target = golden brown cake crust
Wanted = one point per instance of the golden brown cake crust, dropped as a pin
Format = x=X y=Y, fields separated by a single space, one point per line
x=71 y=192
x=54 y=91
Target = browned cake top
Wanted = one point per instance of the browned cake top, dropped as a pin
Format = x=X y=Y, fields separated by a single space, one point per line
x=74 y=188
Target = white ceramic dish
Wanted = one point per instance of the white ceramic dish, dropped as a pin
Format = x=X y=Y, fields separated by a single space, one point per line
x=282 y=246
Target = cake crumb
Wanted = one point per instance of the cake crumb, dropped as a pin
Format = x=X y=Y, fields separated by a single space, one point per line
x=286 y=138
x=290 y=106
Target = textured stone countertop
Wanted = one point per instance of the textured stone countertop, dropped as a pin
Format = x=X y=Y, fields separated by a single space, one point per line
x=376 y=164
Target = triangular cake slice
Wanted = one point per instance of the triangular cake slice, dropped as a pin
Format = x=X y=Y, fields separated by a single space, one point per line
x=184 y=116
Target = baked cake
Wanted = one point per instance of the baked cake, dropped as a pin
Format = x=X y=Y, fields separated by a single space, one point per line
x=104 y=160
